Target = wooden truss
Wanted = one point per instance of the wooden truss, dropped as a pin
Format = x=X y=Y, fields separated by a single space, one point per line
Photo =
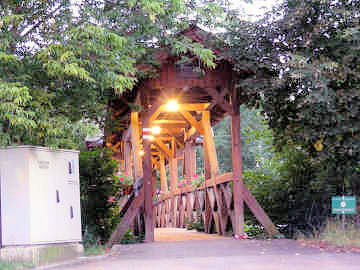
x=218 y=202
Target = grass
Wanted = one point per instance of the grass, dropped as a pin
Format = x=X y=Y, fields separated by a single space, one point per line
x=334 y=234
x=93 y=250
x=15 y=266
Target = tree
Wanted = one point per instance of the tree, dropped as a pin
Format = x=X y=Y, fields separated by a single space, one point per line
x=60 y=64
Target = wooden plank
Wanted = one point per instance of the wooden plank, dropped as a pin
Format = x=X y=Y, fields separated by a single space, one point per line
x=188 y=166
x=168 y=122
x=191 y=119
x=127 y=156
x=136 y=145
x=219 y=99
x=148 y=187
x=237 y=175
x=127 y=219
x=259 y=213
x=195 y=106
x=189 y=208
x=173 y=174
x=209 y=145
x=163 y=178
x=163 y=147
x=221 y=211
x=155 y=115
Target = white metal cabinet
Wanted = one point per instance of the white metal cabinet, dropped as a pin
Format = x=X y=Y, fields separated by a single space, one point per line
x=46 y=191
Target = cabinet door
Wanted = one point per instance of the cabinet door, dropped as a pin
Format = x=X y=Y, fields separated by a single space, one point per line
x=41 y=207
x=69 y=207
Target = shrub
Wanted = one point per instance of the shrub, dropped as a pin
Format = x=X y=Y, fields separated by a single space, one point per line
x=99 y=193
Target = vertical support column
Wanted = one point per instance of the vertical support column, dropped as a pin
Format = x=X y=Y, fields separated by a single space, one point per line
x=127 y=157
x=237 y=173
x=173 y=174
x=148 y=186
x=210 y=157
x=189 y=168
x=163 y=179
x=212 y=170
x=135 y=138
x=173 y=186
x=193 y=159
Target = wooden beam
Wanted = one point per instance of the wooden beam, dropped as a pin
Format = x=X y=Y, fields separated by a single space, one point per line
x=127 y=219
x=163 y=147
x=136 y=146
x=209 y=145
x=127 y=134
x=194 y=107
x=154 y=161
x=168 y=122
x=156 y=114
x=237 y=174
x=219 y=99
x=163 y=179
x=127 y=157
x=188 y=117
x=189 y=168
x=148 y=186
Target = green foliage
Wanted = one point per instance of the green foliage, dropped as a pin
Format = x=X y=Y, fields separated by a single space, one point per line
x=94 y=250
x=254 y=231
x=198 y=180
x=256 y=138
x=292 y=192
x=98 y=185
x=197 y=225
x=62 y=61
x=15 y=266
x=130 y=238
x=335 y=233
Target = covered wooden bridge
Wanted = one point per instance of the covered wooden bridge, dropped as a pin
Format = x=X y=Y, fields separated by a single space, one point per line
x=174 y=113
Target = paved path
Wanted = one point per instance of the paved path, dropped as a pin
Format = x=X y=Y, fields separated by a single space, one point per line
x=212 y=252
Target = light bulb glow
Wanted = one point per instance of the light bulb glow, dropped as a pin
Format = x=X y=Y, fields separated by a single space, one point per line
x=155 y=130
x=141 y=153
x=172 y=106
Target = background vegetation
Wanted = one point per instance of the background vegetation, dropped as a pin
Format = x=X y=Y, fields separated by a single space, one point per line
x=62 y=61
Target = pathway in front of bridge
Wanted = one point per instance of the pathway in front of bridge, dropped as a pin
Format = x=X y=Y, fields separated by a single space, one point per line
x=178 y=249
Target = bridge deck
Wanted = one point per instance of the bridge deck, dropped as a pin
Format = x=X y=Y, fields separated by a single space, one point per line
x=179 y=235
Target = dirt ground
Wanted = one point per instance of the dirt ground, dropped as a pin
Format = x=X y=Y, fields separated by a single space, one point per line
x=178 y=249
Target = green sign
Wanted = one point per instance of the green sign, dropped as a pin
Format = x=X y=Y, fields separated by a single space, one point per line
x=343 y=205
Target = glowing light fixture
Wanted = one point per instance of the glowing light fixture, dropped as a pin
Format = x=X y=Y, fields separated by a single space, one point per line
x=155 y=130
x=141 y=153
x=172 y=106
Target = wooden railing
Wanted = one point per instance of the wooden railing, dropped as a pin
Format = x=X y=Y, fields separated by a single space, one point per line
x=211 y=204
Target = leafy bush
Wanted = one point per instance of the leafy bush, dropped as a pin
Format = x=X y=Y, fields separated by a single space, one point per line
x=293 y=191
x=254 y=231
x=130 y=238
x=99 y=189
x=197 y=224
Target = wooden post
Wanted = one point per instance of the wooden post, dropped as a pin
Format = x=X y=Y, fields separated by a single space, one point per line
x=193 y=159
x=127 y=157
x=135 y=138
x=148 y=187
x=237 y=173
x=173 y=186
x=163 y=179
x=173 y=174
x=189 y=168
x=209 y=146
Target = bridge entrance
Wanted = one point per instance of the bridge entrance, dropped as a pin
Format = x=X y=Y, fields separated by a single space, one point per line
x=161 y=122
